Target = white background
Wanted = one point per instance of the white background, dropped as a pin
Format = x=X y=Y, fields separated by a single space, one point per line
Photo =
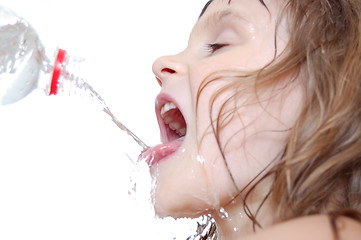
x=63 y=171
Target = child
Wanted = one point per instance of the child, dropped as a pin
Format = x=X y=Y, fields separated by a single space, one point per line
x=260 y=119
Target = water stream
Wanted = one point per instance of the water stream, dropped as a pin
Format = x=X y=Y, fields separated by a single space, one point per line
x=91 y=92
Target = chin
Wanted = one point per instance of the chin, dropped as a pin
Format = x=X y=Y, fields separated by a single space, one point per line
x=186 y=199
x=174 y=210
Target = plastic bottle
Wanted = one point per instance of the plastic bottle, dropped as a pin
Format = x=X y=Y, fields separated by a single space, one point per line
x=24 y=65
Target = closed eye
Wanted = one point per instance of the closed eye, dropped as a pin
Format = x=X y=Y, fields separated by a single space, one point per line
x=215 y=46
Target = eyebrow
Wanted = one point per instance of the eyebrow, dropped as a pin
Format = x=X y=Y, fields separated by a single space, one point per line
x=229 y=1
x=205 y=8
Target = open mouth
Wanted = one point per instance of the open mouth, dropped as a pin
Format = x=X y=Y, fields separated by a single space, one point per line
x=173 y=129
x=174 y=124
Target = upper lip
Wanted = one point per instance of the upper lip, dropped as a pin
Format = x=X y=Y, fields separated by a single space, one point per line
x=161 y=100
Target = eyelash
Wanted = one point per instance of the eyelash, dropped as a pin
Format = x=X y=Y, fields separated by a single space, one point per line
x=213 y=47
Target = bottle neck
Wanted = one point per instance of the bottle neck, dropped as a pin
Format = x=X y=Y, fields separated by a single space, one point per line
x=63 y=76
x=58 y=68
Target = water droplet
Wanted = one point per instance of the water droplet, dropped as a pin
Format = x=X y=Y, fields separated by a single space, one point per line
x=200 y=159
x=223 y=214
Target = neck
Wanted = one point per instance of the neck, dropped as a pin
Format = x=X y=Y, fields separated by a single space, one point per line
x=232 y=221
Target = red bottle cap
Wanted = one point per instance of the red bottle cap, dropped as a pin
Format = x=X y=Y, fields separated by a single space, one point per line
x=58 y=67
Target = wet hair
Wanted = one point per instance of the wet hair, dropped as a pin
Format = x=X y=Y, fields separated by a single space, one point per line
x=319 y=171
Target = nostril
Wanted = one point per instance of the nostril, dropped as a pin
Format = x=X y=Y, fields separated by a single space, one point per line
x=168 y=70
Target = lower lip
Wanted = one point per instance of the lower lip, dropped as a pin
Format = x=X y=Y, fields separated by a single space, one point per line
x=160 y=152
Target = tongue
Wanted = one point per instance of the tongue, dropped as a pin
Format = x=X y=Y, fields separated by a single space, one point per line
x=160 y=152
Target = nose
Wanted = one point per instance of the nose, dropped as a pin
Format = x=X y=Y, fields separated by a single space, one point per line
x=169 y=67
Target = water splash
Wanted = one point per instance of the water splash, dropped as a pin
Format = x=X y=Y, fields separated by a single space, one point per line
x=206 y=229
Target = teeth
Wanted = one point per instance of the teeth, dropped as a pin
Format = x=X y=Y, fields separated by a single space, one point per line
x=166 y=108
x=173 y=124
x=181 y=131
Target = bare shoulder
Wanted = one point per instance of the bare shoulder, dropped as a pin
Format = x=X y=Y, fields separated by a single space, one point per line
x=316 y=227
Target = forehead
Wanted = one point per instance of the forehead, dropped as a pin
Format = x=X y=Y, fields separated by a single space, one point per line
x=228 y=1
x=253 y=10
x=263 y=19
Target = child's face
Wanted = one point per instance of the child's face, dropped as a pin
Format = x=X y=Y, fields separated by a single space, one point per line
x=191 y=175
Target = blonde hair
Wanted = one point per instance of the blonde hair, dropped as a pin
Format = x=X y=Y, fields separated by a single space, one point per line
x=319 y=171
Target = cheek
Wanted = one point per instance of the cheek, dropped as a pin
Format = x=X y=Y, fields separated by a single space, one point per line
x=258 y=133
x=251 y=133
